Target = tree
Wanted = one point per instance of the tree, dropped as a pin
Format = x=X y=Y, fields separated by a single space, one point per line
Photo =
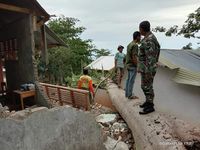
x=63 y=62
x=190 y=29
x=188 y=46
x=101 y=52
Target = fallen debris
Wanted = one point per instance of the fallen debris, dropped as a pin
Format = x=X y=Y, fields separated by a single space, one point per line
x=20 y=115
x=49 y=129
x=106 y=118
x=4 y=111
x=117 y=132
x=112 y=144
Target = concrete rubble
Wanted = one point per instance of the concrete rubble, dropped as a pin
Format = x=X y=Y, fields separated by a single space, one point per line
x=116 y=134
x=60 y=128
x=20 y=115
x=4 y=111
x=115 y=129
x=106 y=118
x=112 y=144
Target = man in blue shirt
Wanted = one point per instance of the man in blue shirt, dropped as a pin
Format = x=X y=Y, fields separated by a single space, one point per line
x=119 y=64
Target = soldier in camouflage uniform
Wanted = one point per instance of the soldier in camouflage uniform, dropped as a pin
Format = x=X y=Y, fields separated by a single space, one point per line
x=148 y=57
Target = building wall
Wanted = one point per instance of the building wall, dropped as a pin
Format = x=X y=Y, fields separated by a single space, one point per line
x=172 y=98
x=20 y=71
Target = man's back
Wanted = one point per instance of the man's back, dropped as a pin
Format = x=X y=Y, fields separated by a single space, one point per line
x=132 y=49
x=84 y=81
x=149 y=53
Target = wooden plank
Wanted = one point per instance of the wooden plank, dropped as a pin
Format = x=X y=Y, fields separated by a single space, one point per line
x=65 y=88
x=87 y=102
x=59 y=96
x=73 y=100
x=78 y=98
x=44 y=46
x=14 y=8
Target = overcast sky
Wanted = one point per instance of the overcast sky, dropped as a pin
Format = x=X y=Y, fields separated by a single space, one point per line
x=112 y=22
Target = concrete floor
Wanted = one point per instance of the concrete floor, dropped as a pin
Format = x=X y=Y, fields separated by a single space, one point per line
x=180 y=100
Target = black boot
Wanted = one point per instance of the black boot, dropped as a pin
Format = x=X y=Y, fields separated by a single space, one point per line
x=147 y=110
x=143 y=105
x=146 y=104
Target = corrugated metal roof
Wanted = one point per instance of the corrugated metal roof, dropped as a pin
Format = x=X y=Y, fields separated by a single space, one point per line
x=103 y=62
x=187 y=63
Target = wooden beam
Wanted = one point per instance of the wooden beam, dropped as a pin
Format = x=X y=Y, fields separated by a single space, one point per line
x=14 y=8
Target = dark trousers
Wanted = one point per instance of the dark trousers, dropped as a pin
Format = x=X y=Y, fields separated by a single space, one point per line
x=147 y=85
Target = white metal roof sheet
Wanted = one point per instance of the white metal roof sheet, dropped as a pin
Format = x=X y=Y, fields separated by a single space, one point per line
x=103 y=63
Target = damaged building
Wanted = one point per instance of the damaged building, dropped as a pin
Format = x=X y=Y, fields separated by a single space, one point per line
x=23 y=35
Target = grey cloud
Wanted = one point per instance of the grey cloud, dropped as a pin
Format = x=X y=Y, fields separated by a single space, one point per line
x=109 y=22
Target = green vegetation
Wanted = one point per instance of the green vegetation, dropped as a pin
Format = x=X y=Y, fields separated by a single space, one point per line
x=190 y=29
x=97 y=77
x=66 y=63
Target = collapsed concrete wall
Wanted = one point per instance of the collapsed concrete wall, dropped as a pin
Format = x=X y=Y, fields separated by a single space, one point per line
x=61 y=128
x=154 y=131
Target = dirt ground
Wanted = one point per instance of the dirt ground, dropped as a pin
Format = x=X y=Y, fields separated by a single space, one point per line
x=103 y=98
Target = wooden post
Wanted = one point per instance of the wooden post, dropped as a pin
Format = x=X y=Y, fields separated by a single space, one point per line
x=73 y=100
x=59 y=96
x=47 y=90
x=87 y=102
x=44 y=46
x=1 y=73
x=34 y=23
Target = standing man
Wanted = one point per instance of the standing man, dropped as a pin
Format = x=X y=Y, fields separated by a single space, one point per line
x=85 y=83
x=131 y=63
x=149 y=52
x=119 y=64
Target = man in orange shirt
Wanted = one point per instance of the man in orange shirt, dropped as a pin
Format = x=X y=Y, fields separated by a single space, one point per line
x=85 y=82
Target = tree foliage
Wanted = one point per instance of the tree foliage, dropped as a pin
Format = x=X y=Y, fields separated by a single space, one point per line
x=188 y=46
x=101 y=52
x=66 y=61
x=189 y=29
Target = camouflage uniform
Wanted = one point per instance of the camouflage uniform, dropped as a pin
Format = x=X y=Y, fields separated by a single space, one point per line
x=149 y=52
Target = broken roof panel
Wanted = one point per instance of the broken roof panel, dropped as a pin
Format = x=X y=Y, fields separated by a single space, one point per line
x=187 y=59
x=103 y=63
x=187 y=63
x=53 y=39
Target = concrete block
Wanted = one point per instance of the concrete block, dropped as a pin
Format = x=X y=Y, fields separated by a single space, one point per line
x=61 y=128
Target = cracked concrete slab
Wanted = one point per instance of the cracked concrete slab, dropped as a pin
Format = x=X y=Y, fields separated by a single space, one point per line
x=62 y=128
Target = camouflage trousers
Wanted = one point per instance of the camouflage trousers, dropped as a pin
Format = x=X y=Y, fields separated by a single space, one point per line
x=147 y=85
